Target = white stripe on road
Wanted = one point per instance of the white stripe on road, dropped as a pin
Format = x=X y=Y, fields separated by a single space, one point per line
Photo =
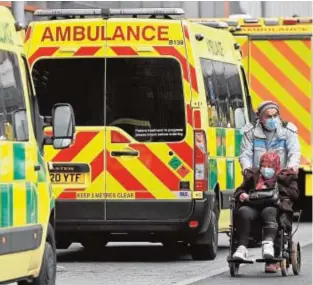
x=222 y=270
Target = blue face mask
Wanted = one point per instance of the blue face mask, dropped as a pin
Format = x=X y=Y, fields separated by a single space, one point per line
x=271 y=123
x=267 y=172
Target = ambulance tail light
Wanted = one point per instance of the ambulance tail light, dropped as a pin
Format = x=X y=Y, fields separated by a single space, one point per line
x=290 y=21
x=200 y=161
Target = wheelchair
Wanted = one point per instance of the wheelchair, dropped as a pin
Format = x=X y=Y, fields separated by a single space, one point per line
x=289 y=250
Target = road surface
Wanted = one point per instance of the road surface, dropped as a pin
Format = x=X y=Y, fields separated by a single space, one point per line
x=152 y=264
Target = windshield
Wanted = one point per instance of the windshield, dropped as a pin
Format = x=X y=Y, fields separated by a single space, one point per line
x=144 y=96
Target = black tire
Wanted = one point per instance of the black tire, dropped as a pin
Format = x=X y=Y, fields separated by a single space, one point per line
x=207 y=251
x=296 y=258
x=48 y=270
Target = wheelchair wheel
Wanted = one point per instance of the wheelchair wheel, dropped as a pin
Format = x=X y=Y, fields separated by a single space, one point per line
x=283 y=267
x=233 y=269
x=296 y=258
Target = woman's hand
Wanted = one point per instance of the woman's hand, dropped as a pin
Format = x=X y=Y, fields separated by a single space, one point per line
x=243 y=197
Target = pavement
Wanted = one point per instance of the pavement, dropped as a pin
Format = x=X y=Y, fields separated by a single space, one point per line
x=152 y=264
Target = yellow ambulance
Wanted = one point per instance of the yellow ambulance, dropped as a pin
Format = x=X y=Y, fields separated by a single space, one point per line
x=159 y=103
x=277 y=56
x=27 y=215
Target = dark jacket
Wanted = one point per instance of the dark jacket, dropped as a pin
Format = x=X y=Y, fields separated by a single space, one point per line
x=287 y=184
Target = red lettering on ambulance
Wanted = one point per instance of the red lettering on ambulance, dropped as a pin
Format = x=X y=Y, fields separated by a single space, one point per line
x=47 y=34
x=163 y=31
x=144 y=33
x=118 y=33
x=63 y=34
x=93 y=35
x=131 y=33
x=78 y=33
x=96 y=33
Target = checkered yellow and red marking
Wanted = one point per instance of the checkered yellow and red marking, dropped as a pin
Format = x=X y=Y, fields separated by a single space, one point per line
x=280 y=70
x=149 y=176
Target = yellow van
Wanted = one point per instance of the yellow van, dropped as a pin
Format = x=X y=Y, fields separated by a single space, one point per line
x=159 y=103
x=27 y=215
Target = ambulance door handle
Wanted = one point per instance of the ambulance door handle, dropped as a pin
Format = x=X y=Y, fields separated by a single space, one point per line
x=37 y=167
x=124 y=153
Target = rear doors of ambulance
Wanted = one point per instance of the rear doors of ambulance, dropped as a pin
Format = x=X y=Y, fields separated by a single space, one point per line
x=149 y=140
x=128 y=83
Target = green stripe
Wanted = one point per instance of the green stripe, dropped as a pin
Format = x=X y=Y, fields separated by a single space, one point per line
x=19 y=161
x=52 y=204
x=238 y=138
x=35 y=197
x=42 y=171
x=224 y=141
x=32 y=204
x=219 y=142
x=212 y=173
x=11 y=204
x=6 y=193
x=29 y=203
x=230 y=171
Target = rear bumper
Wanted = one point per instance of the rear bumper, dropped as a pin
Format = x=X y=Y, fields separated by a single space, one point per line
x=151 y=217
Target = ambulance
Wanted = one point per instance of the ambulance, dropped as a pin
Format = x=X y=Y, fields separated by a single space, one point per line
x=277 y=56
x=27 y=206
x=159 y=102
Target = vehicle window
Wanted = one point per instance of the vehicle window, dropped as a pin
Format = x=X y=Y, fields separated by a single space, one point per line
x=252 y=115
x=144 y=97
x=211 y=92
x=236 y=106
x=79 y=82
x=222 y=97
x=29 y=89
x=13 y=119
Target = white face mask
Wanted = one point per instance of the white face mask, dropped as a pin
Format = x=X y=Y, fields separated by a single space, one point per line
x=271 y=124
x=267 y=172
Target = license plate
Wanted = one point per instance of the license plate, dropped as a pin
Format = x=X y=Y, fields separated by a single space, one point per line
x=67 y=178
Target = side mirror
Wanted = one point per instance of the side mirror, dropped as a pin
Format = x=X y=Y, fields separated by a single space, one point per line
x=20 y=126
x=63 y=125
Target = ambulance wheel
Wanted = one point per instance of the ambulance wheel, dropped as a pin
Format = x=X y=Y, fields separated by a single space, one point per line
x=296 y=258
x=233 y=269
x=207 y=249
x=47 y=274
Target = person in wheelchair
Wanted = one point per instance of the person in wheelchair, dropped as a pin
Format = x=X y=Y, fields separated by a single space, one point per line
x=269 y=175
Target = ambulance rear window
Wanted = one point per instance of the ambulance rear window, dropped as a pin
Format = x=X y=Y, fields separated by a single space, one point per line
x=79 y=82
x=145 y=98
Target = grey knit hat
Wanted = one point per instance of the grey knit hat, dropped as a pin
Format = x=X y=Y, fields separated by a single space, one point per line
x=265 y=106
